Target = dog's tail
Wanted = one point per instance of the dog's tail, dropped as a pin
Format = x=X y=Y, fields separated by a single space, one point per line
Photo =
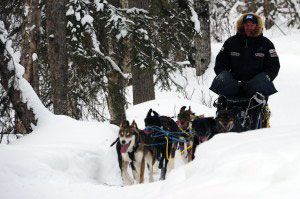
x=117 y=140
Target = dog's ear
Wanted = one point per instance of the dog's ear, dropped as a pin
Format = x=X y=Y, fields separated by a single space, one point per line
x=133 y=125
x=155 y=114
x=218 y=113
x=182 y=109
x=190 y=111
x=198 y=116
x=201 y=116
x=193 y=116
x=149 y=112
x=124 y=124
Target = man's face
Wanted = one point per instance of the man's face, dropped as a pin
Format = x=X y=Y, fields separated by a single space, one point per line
x=250 y=28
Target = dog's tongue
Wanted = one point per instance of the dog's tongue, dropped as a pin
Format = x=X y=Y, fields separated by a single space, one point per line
x=124 y=148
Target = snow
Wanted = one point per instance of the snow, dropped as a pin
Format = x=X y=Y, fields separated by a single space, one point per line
x=136 y=10
x=87 y=19
x=70 y=11
x=66 y=158
x=28 y=95
x=296 y=5
x=99 y=6
x=34 y=57
x=69 y=24
x=123 y=33
x=195 y=19
x=77 y=15
x=2 y=30
x=96 y=45
x=26 y=10
x=144 y=32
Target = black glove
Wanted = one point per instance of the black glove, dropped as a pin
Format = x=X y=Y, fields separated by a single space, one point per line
x=260 y=83
x=225 y=84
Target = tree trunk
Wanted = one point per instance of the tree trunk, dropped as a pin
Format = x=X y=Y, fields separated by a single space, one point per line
x=29 y=50
x=30 y=43
x=26 y=115
x=268 y=21
x=142 y=80
x=203 y=43
x=116 y=98
x=251 y=6
x=124 y=4
x=142 y=85
x=143 y=4
x=126 y=65
x=57 y=53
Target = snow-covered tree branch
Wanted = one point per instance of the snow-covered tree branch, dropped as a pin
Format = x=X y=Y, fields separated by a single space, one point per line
x=25 y=101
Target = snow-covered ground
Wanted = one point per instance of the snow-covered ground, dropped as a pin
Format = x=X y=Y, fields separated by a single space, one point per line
x=65 y=158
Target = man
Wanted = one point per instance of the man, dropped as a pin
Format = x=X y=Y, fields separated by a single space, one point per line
x=247 y=63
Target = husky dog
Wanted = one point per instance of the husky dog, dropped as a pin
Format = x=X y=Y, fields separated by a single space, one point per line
x=132 y=151
x=184 y=121
x=203 y=128
x=155 y=126
x=225 y=120
x=185 y=117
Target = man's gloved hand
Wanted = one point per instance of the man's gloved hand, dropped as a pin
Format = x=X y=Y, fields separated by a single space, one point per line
x=225 y=84
x=260 y=83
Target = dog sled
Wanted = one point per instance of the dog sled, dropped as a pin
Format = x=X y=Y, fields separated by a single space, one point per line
x=250 y=113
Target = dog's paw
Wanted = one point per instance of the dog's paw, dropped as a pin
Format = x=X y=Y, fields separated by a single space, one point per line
x=128 y=181
x=155 y=168
x=184 y=158
x=151 y=179
x=136 y=176
x=171 y=164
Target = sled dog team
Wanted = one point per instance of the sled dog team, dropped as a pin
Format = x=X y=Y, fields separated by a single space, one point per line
x=162 y=136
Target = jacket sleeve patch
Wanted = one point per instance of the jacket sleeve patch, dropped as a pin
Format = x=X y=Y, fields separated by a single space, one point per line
x=273 y=53
x=259 y=54
x=235 y=54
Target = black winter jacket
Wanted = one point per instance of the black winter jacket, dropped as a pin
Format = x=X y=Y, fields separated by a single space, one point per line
x=246 y=57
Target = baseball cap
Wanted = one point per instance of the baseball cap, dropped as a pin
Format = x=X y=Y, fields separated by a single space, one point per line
x=250 y=17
